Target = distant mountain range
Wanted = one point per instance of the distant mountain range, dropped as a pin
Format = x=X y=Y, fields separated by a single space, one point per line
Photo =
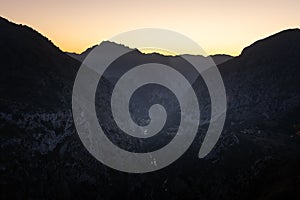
x=218 y=58
x=257 y=156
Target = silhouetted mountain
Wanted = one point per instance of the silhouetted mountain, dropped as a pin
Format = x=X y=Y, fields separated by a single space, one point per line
x=263 y=89
x=264 y=79
x=80 y=57
x=221 y=58
x=257 y=156
x=218 y=58
x=35 y=73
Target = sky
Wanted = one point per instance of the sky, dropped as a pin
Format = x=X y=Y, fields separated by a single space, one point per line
x=219 y=27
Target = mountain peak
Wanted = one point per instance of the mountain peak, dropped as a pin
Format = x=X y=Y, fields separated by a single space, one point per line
x=31 y=63
x=111 y=43
x=10 y=30
x=81 y=56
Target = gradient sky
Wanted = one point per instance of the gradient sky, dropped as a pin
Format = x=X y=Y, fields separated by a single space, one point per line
x=218 y=26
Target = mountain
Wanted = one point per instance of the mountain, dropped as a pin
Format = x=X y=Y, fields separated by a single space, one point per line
x=42 y=157
x=80 y=57
x=264 y=79
x=263 y=94
x=221 y=58
x=218 y=58
x=34 y=71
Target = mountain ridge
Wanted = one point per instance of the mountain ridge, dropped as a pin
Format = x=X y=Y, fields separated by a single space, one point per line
x=218 y=58
x=42 y=157
x=31 y=62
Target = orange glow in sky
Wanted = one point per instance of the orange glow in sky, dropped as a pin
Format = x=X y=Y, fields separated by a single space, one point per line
x=220 y=27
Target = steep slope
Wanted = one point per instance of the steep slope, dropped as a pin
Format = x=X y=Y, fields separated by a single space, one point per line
x=257 y=156
x=263 y=82
x=263 y=95
x=33 y=70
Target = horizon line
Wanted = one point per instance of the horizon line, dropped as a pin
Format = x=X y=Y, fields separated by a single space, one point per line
x=144 y=50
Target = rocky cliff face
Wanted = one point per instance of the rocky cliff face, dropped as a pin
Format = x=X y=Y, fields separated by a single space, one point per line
x=257 y=156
